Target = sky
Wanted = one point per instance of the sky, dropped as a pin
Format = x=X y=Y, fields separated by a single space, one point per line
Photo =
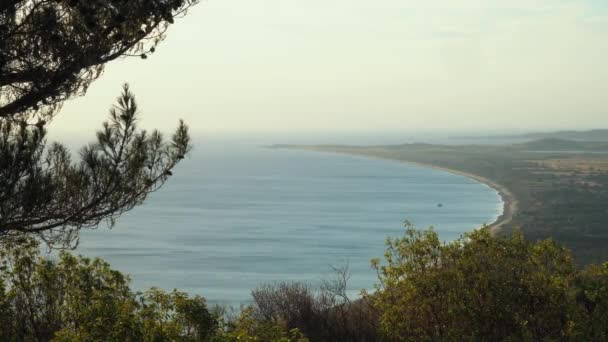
x=241 y=67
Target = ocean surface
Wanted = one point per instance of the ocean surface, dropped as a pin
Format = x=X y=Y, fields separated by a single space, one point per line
x=234 y=217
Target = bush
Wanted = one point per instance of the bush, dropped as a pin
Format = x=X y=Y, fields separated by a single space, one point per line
x=483 y=288
x=82 y=299
x=323 y=315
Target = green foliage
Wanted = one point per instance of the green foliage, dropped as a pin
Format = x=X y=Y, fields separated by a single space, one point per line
x=592 y=295
x=81 y=299
x=176 y=315
x=484 y=288
x=248 y=328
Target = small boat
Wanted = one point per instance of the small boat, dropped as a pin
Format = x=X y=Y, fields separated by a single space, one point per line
x=439 y=205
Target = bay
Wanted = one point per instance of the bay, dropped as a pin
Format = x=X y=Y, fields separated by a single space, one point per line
x=236 y=216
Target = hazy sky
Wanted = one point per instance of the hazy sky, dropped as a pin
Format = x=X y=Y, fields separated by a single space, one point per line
x=245 y=66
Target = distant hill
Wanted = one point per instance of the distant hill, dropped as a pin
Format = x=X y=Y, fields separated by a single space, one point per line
x=554 y=144
x=591 y=135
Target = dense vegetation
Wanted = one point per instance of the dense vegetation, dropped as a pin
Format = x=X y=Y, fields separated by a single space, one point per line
x=477 y=288
x=561 y=186
x=481 y=288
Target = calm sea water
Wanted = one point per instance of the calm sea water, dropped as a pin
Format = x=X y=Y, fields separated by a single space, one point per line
x=232 y=218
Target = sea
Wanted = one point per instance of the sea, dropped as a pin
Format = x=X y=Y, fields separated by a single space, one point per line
x=235 y=216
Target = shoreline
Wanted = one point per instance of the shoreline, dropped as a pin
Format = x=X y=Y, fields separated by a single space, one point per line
x=510 y=203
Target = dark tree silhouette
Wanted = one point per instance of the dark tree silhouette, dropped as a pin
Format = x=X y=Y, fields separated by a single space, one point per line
x=50 y=51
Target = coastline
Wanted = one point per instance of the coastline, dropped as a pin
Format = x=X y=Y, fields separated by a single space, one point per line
x=510 y=203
